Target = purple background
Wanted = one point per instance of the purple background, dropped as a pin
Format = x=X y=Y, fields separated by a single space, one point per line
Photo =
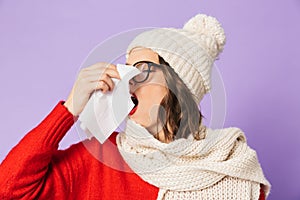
x=43 y=44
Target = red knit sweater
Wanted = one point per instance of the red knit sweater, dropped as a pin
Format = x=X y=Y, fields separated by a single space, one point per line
x=35 y=169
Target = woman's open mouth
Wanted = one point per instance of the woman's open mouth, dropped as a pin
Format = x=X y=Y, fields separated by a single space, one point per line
x=136 y=102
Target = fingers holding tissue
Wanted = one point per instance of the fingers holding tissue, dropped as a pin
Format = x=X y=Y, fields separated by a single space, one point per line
x=104 y=112
x=95 y=77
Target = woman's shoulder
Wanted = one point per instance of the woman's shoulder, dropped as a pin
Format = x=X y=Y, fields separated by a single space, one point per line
x=231 y=131
x=225 y=129
x=89 y=147
x=92 y=150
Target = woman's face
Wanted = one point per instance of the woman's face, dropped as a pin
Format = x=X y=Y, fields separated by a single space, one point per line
x=149 y=93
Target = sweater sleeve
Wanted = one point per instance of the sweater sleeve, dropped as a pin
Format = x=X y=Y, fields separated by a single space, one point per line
x=26 y=167
x=262 y=195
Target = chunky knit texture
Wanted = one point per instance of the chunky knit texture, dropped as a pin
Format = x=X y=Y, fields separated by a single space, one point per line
x=35 y=169
x=190 y=51
x=188 y=165
x=227 y=188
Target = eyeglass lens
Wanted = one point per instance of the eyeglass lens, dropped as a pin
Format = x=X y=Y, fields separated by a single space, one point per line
x=145 y=69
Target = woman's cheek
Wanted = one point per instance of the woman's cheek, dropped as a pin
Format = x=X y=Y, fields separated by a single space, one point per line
x=149 y=97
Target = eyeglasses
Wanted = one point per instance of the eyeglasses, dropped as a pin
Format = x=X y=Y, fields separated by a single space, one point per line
x=145 y=68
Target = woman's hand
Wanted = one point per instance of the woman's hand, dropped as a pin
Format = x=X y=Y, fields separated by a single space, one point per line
x=95 y=77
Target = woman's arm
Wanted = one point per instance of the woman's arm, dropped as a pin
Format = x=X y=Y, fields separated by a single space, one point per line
x=24 y=170
x=262 y=195
x=35 y=167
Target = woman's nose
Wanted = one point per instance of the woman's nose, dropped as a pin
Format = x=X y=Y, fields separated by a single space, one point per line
x=131 y=86
x=131 y=82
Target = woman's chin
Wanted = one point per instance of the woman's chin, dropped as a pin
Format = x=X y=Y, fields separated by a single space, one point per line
x=138 y=118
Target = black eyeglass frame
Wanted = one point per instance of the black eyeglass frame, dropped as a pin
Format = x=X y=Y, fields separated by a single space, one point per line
x=150 y=64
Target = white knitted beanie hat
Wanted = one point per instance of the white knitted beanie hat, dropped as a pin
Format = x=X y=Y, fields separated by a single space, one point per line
x=190 y=51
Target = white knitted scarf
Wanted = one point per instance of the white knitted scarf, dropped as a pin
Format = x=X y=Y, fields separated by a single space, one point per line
x=220 y=166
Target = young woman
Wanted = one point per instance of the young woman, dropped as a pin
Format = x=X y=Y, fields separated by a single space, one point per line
x=164 y=152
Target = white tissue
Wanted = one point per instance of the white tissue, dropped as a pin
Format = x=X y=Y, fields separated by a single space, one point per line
x=103 y=113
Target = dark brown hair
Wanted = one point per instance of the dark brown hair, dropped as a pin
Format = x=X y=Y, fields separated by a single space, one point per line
x=179 y=114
